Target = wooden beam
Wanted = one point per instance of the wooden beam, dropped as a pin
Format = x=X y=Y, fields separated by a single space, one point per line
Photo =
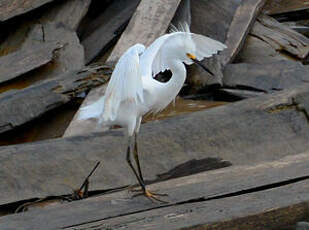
x=9 y=9
x=267 y=78
x=21 y=106
x=113 y=21
x=216 y=198
x=150 y=20
x=25 y=60
x=280 y=37
x=284 y=6
x=245 y=132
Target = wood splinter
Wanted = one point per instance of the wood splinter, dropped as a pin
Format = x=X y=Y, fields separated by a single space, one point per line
x=82 y=192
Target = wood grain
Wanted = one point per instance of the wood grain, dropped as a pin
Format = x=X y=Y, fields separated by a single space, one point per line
x=264 y=191
x=25 y=60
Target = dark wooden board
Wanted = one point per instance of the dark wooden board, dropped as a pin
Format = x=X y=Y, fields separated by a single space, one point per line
x=281 y=37
x=267 y=78
x=12 y=8
x=21 y=106
x=25 y=60
x=221 y=195
x=236 y=22
x=115 y=17
x=254 y=130
x=150 y=20
x=216 y=25
x=284 y=6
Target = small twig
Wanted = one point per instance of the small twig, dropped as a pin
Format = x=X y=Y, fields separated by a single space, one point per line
x=78 y=194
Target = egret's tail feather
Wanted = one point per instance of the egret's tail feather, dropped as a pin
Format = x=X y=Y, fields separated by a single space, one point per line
x=94 y=110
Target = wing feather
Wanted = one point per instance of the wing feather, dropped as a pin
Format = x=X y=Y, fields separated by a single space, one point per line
x=155 y=58
x=125 y=83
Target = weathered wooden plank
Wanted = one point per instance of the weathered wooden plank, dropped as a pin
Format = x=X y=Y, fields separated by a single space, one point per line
x=69 y=13
x=277 y=208
x=281 y=37
x=21 y=106
x=114 y=17
x=257 y=51
x=211 y=192
x=284 y=6
x=267 y=78
x=25 y=60
x=9 y=8
x=238 y=28
x=245 y=132
x=150 y=20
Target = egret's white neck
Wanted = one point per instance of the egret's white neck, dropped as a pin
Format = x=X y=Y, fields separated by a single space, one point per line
x=169 y=90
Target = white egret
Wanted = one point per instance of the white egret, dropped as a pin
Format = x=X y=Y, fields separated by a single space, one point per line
x=132 y=91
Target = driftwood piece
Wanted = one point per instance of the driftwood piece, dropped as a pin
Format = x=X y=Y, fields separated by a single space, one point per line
x=57 y=25
x=258 y=51
x=280 y=36
x=275 y=192
x=21 y=106
x=236 y=30
x=69 y=13
x=150 y=20
x=266 y=78
x=114 y=18
x=9 y=9
x=245 y=132
x=284 y=6
x=25 y=60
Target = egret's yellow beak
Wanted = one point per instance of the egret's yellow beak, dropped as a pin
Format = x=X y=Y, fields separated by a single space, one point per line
x=193 y=58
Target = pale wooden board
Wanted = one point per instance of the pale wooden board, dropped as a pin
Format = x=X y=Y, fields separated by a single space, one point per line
x=266 y=77
x=247 y=132
x=150 y=20
x=12 y=8
x=21 y=106
x=25 y=60
x=285 y=6
x=220 y=195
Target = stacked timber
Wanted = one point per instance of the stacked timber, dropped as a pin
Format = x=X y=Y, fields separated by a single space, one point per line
x=231 y=154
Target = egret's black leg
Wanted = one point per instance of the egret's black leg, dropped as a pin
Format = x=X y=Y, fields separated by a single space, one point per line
x=137 y=159
x=147 y=193
x=141 y=182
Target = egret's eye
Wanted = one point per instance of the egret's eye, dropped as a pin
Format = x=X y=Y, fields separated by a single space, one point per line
x=191 y=56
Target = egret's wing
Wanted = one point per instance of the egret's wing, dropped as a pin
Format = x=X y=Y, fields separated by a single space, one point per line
x=156 y=56
x=125 y=83
x=150 y=54
x=205 y=46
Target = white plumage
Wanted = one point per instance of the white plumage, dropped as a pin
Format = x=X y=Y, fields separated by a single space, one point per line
x=132 y=91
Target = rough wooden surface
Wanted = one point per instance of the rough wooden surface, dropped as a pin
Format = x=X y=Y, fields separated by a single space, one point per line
x=56 y=25
x=9 y=8
x=21 y=106
x=241 y=133
x=25 y=60
x=280 y=36
x=267 y=78
x=284 y=6
x=149 y=21
x=112 y=20
x=266 y=191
